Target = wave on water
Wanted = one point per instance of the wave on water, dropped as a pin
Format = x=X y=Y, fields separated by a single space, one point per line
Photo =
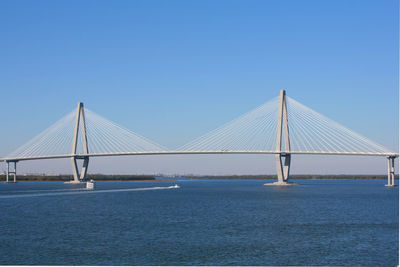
x=85 y=191
x=46 y=190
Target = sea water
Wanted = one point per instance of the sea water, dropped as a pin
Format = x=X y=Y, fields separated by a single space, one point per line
x=204 y=222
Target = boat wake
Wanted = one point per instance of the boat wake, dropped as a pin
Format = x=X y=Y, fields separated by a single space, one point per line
x=86 y=191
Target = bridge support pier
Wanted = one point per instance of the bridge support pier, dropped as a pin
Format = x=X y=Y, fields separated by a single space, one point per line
x=391 y=176
x=79 y=176
x=282 y=167
x=11 y=172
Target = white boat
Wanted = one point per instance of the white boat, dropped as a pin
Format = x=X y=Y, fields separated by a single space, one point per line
x=175 y=186
x=90 y=185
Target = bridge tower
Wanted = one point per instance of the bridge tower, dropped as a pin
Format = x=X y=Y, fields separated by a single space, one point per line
x=80 y=124
x=282 y=157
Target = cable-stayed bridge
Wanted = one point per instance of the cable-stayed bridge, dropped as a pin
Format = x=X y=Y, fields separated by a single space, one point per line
x=282 y=126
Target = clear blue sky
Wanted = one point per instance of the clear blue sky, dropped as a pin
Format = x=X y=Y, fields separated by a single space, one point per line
x=173 y=70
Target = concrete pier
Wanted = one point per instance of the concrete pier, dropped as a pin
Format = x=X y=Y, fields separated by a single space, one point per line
x=391 y=171
x=11 y=172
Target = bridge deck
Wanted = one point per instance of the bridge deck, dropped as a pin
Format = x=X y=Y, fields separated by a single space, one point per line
x=199 y=153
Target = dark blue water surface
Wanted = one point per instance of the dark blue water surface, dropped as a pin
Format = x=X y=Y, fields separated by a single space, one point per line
x=230 y=222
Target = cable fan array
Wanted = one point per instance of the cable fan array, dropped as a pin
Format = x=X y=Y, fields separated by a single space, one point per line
x=255 y=131
x=309 y=131
x=55 y=140
x=104 y=137
x=312 y=132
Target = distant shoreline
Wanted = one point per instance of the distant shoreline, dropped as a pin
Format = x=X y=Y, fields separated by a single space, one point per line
x=141 y=178
x=66 y=178
x=296 y=176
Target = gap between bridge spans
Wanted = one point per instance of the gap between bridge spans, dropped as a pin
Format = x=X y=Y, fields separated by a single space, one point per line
x=282 y=126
